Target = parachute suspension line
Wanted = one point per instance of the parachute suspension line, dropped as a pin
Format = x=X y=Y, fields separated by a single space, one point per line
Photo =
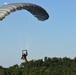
x=26 y=42
x=28 y=36
x=25 y=34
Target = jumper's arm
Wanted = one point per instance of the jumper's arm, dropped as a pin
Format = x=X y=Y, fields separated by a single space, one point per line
x=23 y=52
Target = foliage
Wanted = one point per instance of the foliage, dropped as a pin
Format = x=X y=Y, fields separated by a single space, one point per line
x=48 y=66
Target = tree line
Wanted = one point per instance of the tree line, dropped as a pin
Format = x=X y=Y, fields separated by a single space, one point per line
x=46 y=66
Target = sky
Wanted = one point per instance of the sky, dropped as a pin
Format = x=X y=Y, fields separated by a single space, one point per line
x=55 y=37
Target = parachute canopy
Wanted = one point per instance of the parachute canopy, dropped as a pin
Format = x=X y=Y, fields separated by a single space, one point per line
x=34 y=9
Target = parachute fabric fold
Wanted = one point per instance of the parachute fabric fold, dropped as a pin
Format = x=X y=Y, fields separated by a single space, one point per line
x=34 y=9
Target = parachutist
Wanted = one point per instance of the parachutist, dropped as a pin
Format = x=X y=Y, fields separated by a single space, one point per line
x=24 y=55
